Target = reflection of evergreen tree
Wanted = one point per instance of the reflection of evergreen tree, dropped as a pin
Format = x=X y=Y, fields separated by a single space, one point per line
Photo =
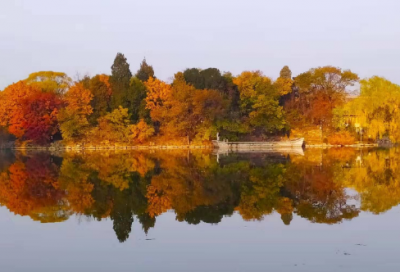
x=260 y=192
x=287 y=218
x=122 y=215
x=140 y=202
x=146 y=221
x=207 y=214
x=102 y=194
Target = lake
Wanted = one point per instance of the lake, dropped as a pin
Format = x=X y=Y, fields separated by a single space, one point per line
x=324 y=210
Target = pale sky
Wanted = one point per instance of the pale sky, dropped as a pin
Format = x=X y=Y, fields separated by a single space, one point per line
x=83 y=36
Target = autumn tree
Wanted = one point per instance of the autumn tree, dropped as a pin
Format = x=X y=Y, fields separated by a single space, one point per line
x=112 y=128
x=145 y=71
x=284 y=82
x=39 y=121
x=375 y=112
x=29 y=113
x=120 y=81
x=101 y=90
x=49 y=81
x=182 y=110
x=259 y=104
x=158 y=96
x=194 y=111
x=317 y=92
x=11 y=102
x=141 y=132
x=74 y=117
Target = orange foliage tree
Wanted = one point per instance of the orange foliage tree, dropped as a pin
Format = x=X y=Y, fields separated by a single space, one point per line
x=31 y=188
x=29 y=113
x=316 y=93
x=182 y=110
x=141 y=132
x=10 y=101
x=158 y=95
x=73 y=118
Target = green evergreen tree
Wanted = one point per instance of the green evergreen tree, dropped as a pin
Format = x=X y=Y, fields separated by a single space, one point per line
x=101 y=99
x=85 y=81
x=120 y=81
x=285 y=72
x=136 y=101
x=145 y=72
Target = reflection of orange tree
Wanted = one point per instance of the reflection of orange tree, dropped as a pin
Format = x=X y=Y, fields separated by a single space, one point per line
x=74 y=179
x=31 y=188
x=113 y=169
x=316 y=195
x=376 y=177
x=109 y=185
x=142 y=163
x=185 y=183
x=158 y=201
x=78 y=173
x=116 y=168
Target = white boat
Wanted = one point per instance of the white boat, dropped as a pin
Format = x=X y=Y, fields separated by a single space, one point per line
x=258 y=146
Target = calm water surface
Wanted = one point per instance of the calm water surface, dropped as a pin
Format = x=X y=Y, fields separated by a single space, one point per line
x=326 y=210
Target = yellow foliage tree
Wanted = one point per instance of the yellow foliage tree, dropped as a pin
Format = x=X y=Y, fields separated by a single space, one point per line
x=284 y=85
x=375 y=112
x=49 y=81
x=73 y=118
x=113 y=128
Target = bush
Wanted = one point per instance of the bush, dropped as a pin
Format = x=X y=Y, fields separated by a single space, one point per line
x=341 y=138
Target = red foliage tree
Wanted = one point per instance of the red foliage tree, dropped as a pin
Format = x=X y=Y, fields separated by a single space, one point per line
x=39 y=116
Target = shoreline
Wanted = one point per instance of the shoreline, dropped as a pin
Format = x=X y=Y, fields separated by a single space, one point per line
x=330 y=146
x=141 y=147
x=164 y=147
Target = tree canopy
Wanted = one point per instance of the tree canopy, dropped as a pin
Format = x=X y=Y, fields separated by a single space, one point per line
x=145 y=71
x=198 y=103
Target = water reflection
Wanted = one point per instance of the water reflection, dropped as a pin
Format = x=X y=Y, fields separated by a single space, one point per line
x=128 y=186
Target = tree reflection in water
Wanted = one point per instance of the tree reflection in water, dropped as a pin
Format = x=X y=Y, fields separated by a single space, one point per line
x=128 y=186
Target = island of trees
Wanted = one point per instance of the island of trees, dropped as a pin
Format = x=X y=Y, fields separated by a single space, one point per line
x=137 y=109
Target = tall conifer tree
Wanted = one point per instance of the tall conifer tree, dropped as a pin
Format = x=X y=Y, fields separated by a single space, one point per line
x=145 y=72
x=120 y=80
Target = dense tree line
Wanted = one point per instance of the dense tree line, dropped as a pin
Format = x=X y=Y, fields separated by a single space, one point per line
x=138 y=108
